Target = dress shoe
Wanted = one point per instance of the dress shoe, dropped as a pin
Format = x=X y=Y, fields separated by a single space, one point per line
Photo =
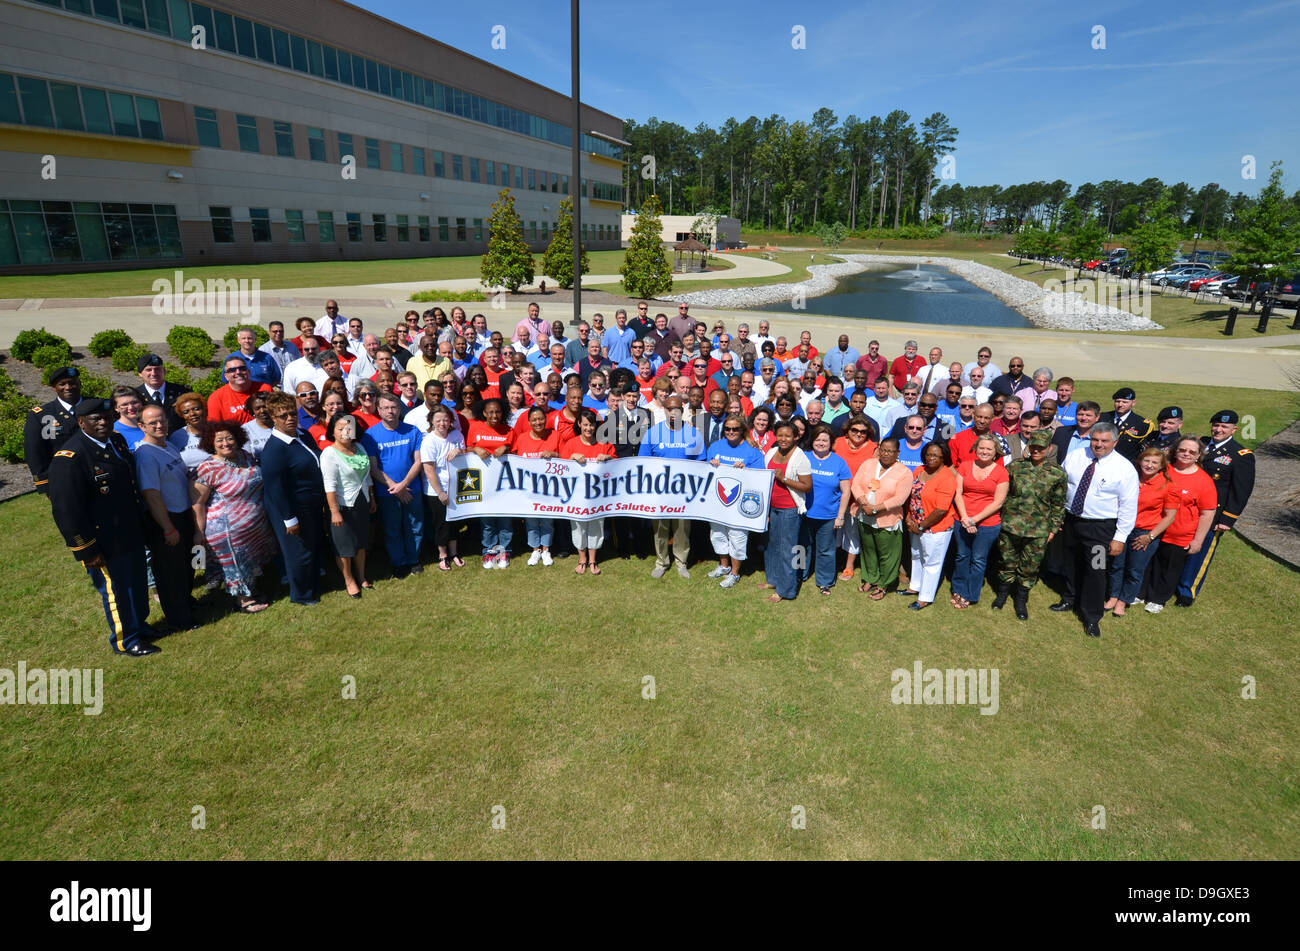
x=307 y=604
x=1020 y=601
x=1183 y=601
x=1001 y=599
x=1092 y=629
x=1063 y=605
x=141 y=649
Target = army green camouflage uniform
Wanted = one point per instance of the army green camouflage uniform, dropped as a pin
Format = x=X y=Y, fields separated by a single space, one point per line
x=1035 y=507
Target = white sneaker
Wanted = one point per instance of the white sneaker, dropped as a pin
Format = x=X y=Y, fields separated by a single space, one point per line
x=681 y=570
x=1155 y=608
x=547 y=560
x=730 y=581
x=719 y=571
x=659 y=571
x=489 y=562
x=503 y=561
x=1137 y=601
x=535 y=557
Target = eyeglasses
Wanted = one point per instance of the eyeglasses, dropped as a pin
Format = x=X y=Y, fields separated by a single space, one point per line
x=929 y=405
x=306 y=393
x=731 y=429
x=366 y=396
x=407 y=383
x=284 y=415
x=858 y=431
x=700 y=366
x=233 y=370
x=331 y=308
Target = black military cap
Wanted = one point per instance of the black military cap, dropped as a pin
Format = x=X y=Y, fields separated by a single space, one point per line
x=1224 y=416
x=64 y=373
x=1124 y=393
x=1170 y=412
x=148 y=360
x=93 y=407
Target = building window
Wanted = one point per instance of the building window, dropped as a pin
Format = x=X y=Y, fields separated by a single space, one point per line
x=604 y=191
x=354 y=226
x=555 y=182
x=316 y=145
x=519 y=178
x=444 y=233
x=456 y=170
x=532 y=179
x=460 y=230
x=439 y=168
x=403 y=228
x=205 y=121
x=546 y=235
x=223 y=225
x=380 y=226
x=490 y=172
x=478 y=229
x=247 y=126
x=532 y=227
x=473 y=170
x=564 y=184
x=325 y=225
x=395 y=157
x=372 y=153
x=122 y=107
x=283 y=139
x=345 y=147
x=584 y=231
x=293 y=223
x=422 y=223
x=261 y=219
x=417 y=160
x=45 y=232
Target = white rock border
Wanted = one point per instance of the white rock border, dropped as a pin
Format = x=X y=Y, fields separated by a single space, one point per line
x=1046 y=309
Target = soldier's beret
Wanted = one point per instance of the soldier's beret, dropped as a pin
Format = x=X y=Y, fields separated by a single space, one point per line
x=1124 y=393
x=1224 y=416
x=1170 y=412
x=148 y=360
x=1040 y=438
x=92 y=407
x=64 y=373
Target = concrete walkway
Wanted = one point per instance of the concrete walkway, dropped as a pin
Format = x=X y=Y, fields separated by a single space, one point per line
x=1271 y=521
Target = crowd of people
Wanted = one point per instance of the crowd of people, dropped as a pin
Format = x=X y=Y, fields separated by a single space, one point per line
x=338 y=442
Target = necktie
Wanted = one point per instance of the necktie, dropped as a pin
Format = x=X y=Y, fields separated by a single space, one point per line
x=928 y=375
x=713 y=432
x=1081 y=493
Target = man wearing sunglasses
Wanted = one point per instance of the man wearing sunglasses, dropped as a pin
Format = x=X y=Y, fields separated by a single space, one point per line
x=229 y=401
x=332 y=323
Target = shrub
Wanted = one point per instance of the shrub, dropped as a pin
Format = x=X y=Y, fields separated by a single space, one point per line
x=95 y=385
x=29 y=341
x=191 y=346
x=124 y=358
x=178 y=375
x=11 y=438
x=8 y=388
x=52 y=355
x=231 y=342
x=436 y=296
x=107 y=342
x=205 y=385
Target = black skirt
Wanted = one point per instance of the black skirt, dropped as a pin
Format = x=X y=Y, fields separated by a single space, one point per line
x=354 y=534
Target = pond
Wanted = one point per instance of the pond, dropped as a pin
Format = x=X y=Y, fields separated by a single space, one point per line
x=925 y=294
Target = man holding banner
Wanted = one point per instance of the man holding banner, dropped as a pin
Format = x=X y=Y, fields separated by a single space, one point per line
x=672 y=439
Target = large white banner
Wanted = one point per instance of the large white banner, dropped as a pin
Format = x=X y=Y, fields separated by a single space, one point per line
x=641 y=487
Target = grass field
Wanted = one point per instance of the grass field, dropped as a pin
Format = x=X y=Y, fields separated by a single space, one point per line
x=797 y=261
x=466 y=700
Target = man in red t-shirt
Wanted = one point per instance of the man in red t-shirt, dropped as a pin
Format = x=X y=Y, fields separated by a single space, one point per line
x=907 y=366
x=228 y=401
x=805 y=337
x=961 y=446
x=873 y=364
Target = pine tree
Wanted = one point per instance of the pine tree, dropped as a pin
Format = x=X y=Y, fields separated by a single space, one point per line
x=645 y=269
x=558 y=260
x=508 y=262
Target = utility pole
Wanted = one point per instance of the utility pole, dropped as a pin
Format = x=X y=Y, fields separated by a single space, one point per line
x=575 y=173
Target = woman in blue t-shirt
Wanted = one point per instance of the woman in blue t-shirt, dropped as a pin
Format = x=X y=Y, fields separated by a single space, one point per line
x=730 y=544
x=827 y=503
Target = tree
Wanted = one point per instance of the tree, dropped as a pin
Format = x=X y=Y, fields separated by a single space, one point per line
x=645 y=269
x=1085 y=243
x=937 y=138
x=558 y=259
x=1152 y=245
x=508 y=262
x=832 y=235
x=1270 y=235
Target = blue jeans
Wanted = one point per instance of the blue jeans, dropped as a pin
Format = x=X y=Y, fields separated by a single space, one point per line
x=817 y=536
x=778 y=560
x=540 y=531
x=1129 y=567
x=403 y=528
x=972 y=559
x=497 y=533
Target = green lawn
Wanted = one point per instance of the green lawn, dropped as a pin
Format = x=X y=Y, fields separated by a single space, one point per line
x=466 y=700
x=797 y=261
x=272 y=276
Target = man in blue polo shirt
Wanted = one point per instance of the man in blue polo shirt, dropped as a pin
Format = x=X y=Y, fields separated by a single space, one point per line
x=262 y=367
x=394 y=450
x=616 y=341
x=674 y=438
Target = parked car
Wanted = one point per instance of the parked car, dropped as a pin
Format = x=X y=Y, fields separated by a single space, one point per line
x=1164 y=276
x=1214 y=285
x=1287 y=293
x=1198 y=283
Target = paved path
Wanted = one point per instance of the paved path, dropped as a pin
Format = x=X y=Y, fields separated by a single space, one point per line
x=1271 y=521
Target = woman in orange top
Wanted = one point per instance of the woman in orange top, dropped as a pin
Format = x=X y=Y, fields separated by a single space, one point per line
x=880 y=489
x=929 y=519
x=332 y=406
x=346 y=356
x=1192 y=493
x=583 y=448
x=489 y=437
x=1154 y=515
x=537 y=442
x=855 y=447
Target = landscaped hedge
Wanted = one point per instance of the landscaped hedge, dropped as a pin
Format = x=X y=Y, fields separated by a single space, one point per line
x=191 y=346
x=125 y=358
x=52 y=355
x=107 y=342
x=29 y=341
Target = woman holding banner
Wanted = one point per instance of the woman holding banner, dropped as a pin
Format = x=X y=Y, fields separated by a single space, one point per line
x=793 y=480
x=537 y=442
x=441 y=442
x=583 y=448
x=488 y=437
x=729 y=544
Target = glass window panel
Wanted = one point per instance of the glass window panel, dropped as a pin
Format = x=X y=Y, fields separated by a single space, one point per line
x=35 y=94
x=33 y=244
x=325 y=225
x=293 y=223
x=76 y=6
x=265 y=43
x=91 y=237
x=80 y=207
x=223 y=225
x=62 y=232
x=372 y=75
x=408 y=87
x=423 y=224
x=260 y=218
x=123 y=109
x=395 y=157
x=345 y=67
x=315 y=58
x=67 y=106
x=331 y=63
x=478 y=229
x=519 y=177
x=372 y=153
x=181 y=22
x=345 y=145
x=358 y=72
x=9 y=111
x=145 y=231
x=157 y=13
x=460 y=229
x=133 y=13
x=107 y=9
x=120 y=242
x=439 y=166
x=8 y=246
x=354 y=225
x=299 y=48
x=316 y=144
x=457 y=171
x=205 y=121
x=203 y=18
x=490 y=172
x=150 y=119
x=417 y=160
x=380 y=226
x=282 y=55
x=169 y=210
x=283 y=139
x=244 y=38
x=169 y=237
x=95 y=104
x=225 y=24
x=473 y=170
x=403 y=228
x=385 y=85
x=247 y=126
x=443 y=230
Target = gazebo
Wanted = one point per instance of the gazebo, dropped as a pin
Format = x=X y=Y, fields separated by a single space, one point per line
x=690 y=247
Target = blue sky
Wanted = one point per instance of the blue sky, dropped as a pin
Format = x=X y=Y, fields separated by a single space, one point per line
x=1182 y=91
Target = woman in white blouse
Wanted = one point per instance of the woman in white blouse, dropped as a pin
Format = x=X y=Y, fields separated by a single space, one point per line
x=345 y=469
x=442 y=438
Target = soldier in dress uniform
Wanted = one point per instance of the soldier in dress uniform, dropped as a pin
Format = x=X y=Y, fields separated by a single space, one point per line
x=154 y=388
x=1169 y=429
x=49 y=426
x=1033 y=513
x=1133 y=427
x=98 y=509
x=1232 y=467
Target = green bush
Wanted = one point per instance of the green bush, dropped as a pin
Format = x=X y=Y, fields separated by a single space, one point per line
x=52 y=355
x=185 y=332
x=191 y=347
x=8 y=388
x=124 y=358
x=95 y=385
x=178 y=375
x=11 y=439
x=29 y=341
x=442 y=297
x=205 y=385
x=231 y=341
x=107 y=342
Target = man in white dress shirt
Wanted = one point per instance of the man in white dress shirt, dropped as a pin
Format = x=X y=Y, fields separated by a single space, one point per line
x=332 y=323
x=306 y=367
x=1100 y=509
